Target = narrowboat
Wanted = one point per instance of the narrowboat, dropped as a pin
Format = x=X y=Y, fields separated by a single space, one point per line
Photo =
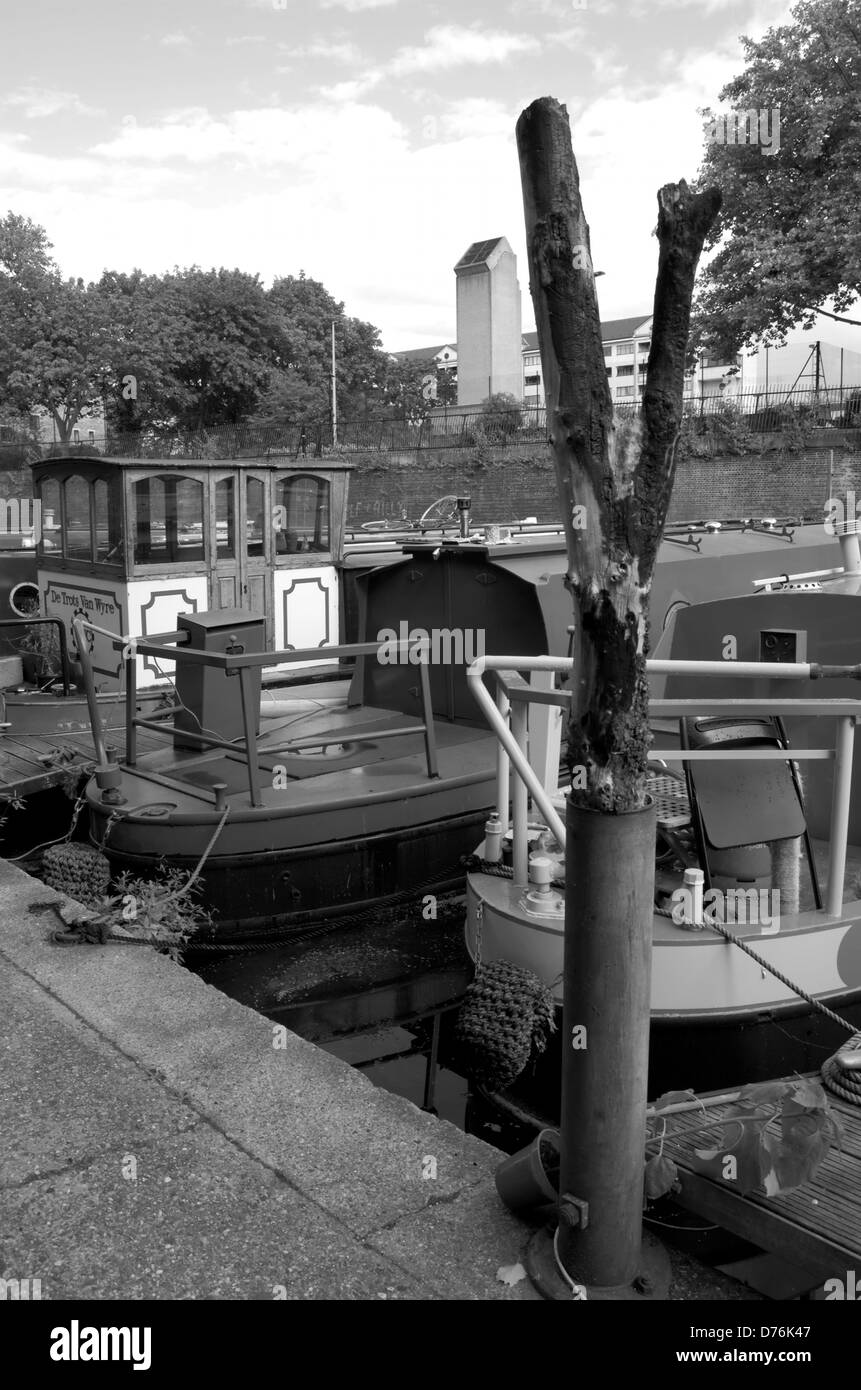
x=295 y=701
x=755 y=701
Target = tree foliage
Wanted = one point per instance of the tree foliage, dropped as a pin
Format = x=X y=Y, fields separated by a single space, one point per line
x=788 y=237
x=188 y=350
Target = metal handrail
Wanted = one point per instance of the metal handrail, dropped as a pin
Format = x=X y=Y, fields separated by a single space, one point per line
x=513 y=746
x=243 y=665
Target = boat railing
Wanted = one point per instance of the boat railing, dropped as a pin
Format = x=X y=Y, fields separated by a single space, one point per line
x=507 y=708
x=62 y=642
x=171 y=646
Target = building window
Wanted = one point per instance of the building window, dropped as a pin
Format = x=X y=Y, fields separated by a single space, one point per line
x=643 y=347
x=76 y=436
x=533 y=381
x=91 y=435
x=609 y=371
x=624 y=390
x=624 y=371
x=624 y=349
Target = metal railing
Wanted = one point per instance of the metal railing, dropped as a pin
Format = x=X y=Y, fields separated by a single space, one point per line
x=170 y=646
x=775 y=410
x=506 y=716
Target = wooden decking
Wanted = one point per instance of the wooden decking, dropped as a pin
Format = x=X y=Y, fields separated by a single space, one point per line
x=34 y=762
x=816 y=1227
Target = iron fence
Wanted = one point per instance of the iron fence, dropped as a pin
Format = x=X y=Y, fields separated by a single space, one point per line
x=775 y=411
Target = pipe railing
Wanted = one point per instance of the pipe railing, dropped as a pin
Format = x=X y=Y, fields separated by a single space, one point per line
x=506 y=715
x=169 y=646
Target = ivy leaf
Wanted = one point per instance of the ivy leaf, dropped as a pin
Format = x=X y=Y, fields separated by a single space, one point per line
x=763 y=1093
x=662 y=1176
x=673 y=1098
x=805 y=1094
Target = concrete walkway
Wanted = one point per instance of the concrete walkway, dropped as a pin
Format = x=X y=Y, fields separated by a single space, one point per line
x=158 y=1144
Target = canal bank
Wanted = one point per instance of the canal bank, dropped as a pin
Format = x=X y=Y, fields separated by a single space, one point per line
x=162 y=1141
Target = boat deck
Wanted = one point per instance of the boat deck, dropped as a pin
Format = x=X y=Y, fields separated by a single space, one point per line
x=816 y=1227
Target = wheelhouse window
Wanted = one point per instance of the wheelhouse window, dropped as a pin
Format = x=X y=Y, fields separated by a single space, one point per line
x=301 y=515
x=255 y=513
x=78 y=541
x=48 y=493
x=225 y=519
x=108 y=517
x=168 y=520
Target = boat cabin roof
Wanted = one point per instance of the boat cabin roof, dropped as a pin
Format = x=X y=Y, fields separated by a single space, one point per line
x=278 y=462
x=141 y=517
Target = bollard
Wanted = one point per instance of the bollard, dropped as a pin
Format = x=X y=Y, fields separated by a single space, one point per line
x=610 y=874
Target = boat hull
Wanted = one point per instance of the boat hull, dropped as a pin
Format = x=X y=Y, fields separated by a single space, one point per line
x=289 y=888
x=718 y=1018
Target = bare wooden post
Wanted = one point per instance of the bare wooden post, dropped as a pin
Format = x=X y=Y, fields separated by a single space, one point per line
x=615 y=489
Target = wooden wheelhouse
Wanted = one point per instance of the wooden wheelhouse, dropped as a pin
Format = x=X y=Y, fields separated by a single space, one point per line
x=129 y=544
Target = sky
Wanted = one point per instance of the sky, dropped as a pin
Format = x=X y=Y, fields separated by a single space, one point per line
x=365 y=142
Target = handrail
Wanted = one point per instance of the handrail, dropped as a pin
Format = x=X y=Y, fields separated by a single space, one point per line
x=846 y=712
x=63 y=642
x=133 y=647
x=78 y=627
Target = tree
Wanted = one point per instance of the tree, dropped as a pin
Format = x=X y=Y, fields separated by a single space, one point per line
x=54 y=334
x=500 y=417
x=305 y=311
x=615 y=493
x=788 y=233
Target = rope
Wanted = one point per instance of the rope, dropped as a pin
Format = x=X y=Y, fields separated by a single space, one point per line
x=844 y=1081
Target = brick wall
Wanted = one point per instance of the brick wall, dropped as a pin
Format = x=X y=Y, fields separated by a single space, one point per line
x=518 y=481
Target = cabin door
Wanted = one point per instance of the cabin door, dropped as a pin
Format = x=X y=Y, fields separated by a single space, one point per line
x=240 y=566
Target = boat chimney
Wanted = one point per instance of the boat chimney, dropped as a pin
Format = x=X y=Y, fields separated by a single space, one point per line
x=463 y=505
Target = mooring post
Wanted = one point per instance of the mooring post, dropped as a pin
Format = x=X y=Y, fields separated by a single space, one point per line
x=607 y=984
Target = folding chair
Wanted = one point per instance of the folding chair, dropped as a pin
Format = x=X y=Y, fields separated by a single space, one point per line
x=738 y=807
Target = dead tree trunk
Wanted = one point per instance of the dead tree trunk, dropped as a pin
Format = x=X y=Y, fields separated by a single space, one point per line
x=615 y=491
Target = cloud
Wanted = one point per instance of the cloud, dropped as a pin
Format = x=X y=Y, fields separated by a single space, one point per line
x=38 y=102
x=321 y=48
x=445 y=46
x=175 y=40
x=452 y=45
x=354 y=6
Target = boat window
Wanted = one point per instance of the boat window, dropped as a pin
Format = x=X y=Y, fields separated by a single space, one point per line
x=49 y=497
x=301 y=514
x=78 y=540
x=109 y=521
x=169 y=520
x=225 y=519
x=254 y=506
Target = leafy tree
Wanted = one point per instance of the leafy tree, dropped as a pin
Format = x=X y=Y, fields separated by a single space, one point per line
x=305 y=312
x=54 y=339
x=500 y=416
x=788 y=232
